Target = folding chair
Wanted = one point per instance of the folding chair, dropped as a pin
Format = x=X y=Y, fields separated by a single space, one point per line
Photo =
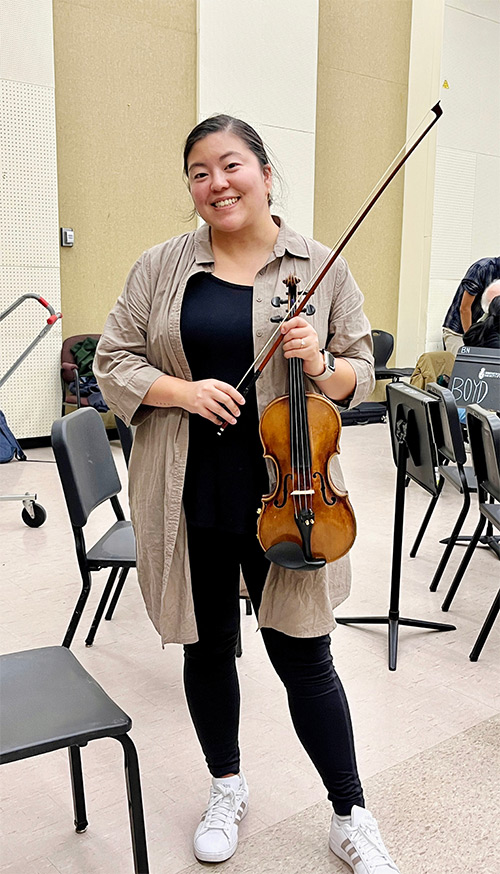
x=89 y=477
x=452 y=468
x=49 y=702
x=484 y=438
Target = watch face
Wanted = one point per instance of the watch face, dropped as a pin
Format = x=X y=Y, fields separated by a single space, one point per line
x=329 y=361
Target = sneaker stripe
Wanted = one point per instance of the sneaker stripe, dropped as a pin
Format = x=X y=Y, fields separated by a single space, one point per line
x=355 y=860
x=346 y=844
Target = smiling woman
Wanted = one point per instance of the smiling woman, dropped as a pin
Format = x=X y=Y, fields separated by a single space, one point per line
x=193 y=313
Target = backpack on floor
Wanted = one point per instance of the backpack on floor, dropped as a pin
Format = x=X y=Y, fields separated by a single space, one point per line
x=9 y=447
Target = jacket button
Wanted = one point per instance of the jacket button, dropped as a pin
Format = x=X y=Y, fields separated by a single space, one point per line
x=259 y=300
x=259 y=333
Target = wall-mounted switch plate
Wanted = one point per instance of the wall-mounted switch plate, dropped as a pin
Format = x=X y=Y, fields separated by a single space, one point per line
x=67 y=236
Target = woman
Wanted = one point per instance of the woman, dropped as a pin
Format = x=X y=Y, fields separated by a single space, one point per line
x=194 y=312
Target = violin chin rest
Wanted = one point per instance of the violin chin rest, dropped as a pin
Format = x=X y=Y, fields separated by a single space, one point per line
x=290 y=555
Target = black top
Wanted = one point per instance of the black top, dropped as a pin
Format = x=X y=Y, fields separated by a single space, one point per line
x=225 y=475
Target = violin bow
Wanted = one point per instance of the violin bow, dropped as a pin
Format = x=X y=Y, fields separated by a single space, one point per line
x=253 y=373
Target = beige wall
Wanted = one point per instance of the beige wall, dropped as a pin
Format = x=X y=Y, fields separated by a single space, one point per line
x=361 y=125
x=125 y=98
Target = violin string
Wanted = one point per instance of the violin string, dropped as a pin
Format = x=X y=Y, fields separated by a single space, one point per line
x=293 y=438
x=306 y=437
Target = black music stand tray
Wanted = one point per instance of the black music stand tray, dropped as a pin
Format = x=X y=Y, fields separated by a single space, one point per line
x=415 y=456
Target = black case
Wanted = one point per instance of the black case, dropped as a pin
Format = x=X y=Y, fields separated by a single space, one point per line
x=364 y=414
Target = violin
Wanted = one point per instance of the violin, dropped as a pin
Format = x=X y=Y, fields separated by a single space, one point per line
x=306 y=521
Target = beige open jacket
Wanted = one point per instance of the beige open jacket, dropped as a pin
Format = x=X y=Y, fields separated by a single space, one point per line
x=140 y=342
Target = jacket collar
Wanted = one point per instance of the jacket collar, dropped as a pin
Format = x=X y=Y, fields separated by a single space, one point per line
x=287 y=240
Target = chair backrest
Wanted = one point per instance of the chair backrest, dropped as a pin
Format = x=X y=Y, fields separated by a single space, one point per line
x=449 y=437
x=484 y=438
x=383 y=344
x=85 y=463
x=67 y=357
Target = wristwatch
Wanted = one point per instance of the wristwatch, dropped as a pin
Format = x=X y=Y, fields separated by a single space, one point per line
x=329 y=366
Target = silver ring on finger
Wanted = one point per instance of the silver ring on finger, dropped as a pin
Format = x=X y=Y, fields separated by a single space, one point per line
x=302 y=342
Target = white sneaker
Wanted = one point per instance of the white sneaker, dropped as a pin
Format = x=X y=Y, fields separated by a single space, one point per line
x=216 y=837
x=358 y=842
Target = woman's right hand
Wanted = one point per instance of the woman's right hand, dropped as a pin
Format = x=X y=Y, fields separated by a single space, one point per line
x=213 y=399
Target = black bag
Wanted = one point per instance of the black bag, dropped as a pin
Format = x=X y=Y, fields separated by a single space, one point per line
x=364 y=414
x=9 y=447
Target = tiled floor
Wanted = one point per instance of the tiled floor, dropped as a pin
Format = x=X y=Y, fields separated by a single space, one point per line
x=436 y=693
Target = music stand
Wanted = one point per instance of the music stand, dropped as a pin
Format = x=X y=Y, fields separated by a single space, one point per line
x=414 y=452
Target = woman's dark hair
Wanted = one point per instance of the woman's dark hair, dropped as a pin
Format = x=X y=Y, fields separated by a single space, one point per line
x=486 y=333
x=217 y=123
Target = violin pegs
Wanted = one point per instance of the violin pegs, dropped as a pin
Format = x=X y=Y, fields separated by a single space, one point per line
x=309 y=309
x=278 y=301
x=276 y=319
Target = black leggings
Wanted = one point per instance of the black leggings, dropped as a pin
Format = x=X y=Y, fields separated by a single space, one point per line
x=316 y=699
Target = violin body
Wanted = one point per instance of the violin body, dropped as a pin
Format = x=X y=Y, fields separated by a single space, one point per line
x=330 y=530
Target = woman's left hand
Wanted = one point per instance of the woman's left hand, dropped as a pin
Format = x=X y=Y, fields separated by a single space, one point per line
x=300 y=340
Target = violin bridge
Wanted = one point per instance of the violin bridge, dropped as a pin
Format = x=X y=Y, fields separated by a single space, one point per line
x=302 y=492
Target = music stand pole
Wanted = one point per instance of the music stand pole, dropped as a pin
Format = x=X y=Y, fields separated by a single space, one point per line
x=393 y=620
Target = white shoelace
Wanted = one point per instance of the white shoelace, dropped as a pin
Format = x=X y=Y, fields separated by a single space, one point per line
x=221 y=810
x=367 y=840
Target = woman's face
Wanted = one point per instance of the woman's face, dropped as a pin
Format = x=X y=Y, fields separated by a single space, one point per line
x=228 y=184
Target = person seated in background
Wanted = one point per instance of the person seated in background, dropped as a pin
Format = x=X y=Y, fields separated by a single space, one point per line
x=466 y=307
x=486 y=332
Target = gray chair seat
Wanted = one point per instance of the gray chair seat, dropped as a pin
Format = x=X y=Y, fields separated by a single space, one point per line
x=116 y=548
x=52 y=702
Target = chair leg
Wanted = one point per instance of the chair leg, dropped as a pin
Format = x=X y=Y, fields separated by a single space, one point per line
x=116 y=594
x=426 y=519
x=77 y=612
x=89 y=640
x=75 y=767
x=451 y=543
x=464 y=564
x=135 y=807
x=486 y=628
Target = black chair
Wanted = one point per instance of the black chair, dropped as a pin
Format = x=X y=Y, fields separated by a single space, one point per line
x=452 y=468
x=383 y=345
x=484 y=438
x=49 y=702
x=89 y=477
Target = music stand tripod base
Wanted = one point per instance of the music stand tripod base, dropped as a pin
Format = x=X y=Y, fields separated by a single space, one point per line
x=393 y=622
x=411 y=425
